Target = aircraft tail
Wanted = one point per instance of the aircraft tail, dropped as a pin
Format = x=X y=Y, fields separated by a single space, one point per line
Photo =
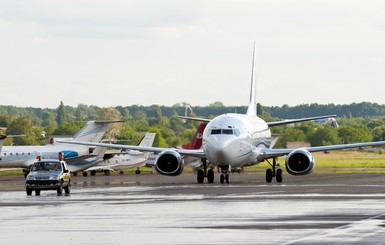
x=148 y=139
x=252 y=107
x=196 y=142
x=2 y=138
x=93 y=131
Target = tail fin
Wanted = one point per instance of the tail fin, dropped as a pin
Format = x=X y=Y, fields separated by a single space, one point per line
x=2 y=138
x=196 y=142
x=93 y=131
x=252 y=107
x=148 y=139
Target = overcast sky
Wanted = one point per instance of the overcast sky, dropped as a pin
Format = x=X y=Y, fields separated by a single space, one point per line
x=123 y=52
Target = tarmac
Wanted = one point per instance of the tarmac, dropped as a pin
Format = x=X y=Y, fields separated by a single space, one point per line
x=327 y=208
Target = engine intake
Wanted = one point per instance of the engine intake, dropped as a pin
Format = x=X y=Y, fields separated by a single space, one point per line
x=169 y=162
x=300 y=162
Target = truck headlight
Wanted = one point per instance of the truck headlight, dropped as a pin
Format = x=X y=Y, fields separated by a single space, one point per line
x=54 y=177
x=30 y=177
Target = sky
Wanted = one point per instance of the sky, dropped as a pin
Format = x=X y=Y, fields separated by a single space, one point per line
x=122 y=52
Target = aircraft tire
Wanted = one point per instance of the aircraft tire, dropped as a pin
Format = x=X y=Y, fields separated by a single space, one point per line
x=85 y=173
x=222 y=178
x=210 y=176
x=227 y=178
x=200 y=176
x=59 y=189
x=137 y=171
x=93 y=173
x=67 y=189
x=269 y=175
x=278 y=176
x=37 y=192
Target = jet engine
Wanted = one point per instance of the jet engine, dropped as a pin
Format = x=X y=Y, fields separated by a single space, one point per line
x=300 y=162
x=169 y=162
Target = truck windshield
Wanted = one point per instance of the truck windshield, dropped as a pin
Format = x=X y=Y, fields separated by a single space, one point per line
x=46 y=166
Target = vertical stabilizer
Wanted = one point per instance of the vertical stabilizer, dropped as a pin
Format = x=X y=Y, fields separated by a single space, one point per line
x=148 y=139
x=252 y=107
x=2 y=138
x=93 y=131
x=196 y=142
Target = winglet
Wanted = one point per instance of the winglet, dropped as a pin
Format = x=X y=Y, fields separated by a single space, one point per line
x=252 y=107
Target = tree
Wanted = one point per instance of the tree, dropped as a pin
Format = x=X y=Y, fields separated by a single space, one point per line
x=351 y=134
x=49 y=122
x=61 y=116
x=111 y=113
x=32 y=135
x=325 y=135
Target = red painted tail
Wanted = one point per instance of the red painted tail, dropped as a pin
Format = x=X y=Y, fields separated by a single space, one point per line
x=196 y=142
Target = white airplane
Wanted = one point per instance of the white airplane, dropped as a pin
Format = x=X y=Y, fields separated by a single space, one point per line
x=125 y=160
x=232 y=141
x=78 y=158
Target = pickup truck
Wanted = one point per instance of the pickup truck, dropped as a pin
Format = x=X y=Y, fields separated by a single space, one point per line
x=48 y=175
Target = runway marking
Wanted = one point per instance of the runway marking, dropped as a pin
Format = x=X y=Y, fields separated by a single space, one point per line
x=363 y=228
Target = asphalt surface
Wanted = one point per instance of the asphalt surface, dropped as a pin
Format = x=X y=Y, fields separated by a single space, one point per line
x=154 y=209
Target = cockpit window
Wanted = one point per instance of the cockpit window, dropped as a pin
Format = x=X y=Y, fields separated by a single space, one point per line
x=229 y=131
x=216 y=131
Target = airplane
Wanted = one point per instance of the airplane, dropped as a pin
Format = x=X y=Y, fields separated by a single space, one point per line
x=232 y=141
x=77 y=158
x=125 y=160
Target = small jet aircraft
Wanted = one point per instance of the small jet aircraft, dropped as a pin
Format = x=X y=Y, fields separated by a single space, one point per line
x=232 y=141
x=124 y=160
x=77 y=158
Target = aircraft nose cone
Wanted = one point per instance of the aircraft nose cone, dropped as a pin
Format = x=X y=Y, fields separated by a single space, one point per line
x=221 y=156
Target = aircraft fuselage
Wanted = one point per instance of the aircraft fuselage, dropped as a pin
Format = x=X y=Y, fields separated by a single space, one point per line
x=232 y=139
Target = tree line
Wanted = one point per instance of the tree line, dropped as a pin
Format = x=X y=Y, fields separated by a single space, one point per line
x=358 y=122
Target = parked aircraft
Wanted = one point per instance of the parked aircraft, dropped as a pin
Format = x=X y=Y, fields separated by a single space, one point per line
x=233 y=141
x=78 y=158
x=125 y=160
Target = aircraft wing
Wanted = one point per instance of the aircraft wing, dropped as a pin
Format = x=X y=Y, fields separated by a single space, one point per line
x=193 y=152
x=289 y=121
x=270 y=153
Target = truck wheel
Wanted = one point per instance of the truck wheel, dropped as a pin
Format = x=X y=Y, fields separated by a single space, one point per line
x=29 y=191
x=59 y=189
x=67 y=189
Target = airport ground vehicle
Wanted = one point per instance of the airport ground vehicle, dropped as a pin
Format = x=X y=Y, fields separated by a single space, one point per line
x=49 y=174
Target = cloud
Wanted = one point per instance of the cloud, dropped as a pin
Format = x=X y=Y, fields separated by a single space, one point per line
x=104 y=19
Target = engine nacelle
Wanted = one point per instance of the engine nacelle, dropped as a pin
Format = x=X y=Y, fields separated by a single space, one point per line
x=169 y=162
x=300 y=162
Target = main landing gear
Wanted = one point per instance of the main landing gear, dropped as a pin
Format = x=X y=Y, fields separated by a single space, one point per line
x=202 y=173
x=277 y=173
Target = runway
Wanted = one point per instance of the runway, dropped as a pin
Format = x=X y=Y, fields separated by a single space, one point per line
x=153 y=209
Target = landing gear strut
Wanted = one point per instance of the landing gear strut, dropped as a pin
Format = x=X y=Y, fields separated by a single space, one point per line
x=277 y=173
